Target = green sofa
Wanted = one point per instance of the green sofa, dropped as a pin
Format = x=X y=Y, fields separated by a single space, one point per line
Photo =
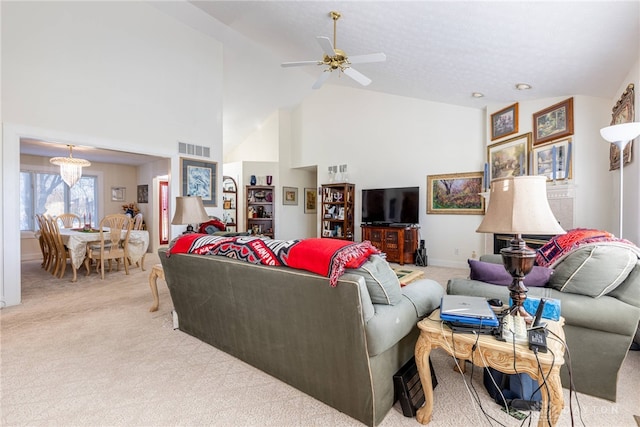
x=598 y=329
x=332 y=343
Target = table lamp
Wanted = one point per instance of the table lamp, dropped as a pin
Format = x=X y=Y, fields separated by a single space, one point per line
x=189 y=210
x=518 y=205
x=620 y=135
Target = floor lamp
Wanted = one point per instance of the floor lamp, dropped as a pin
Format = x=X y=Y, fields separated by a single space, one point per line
x=620 y=135
x=518 y=205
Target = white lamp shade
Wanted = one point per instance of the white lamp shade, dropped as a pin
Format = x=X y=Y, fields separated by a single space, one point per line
x=189 y=210
x=519 y=205
x=621 y=134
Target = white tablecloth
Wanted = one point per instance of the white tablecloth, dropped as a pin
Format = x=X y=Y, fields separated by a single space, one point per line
x=77 y=241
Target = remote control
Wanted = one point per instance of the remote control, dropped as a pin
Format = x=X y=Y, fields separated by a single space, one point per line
x=538 y=315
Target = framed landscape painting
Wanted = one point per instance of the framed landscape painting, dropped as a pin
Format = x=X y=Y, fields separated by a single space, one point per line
x=455 y=193
x=504 y=122
x=553 y=122
x=553 y=160
x=199 y=178
x=510 y=157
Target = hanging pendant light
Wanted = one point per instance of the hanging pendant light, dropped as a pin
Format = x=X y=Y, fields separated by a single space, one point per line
x=70 y=168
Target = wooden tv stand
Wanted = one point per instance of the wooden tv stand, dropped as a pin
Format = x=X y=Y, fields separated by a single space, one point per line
x=399 y=243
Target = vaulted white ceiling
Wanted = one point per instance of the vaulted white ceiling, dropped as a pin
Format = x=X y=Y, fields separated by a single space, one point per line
x=436 y=50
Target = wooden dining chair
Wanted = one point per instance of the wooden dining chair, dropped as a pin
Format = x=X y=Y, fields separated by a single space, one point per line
x=43 y=240
x=138 y=221
x=69 y=220
x=61 y=253
x=113 y=244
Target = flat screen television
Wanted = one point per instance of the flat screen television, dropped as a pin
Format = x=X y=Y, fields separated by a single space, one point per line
x=386 y=206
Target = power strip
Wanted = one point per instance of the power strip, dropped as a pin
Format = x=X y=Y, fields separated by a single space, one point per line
x=515 y=413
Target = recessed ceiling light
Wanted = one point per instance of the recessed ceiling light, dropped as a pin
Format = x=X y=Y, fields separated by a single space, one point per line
x=477 y=95
x=523 y=86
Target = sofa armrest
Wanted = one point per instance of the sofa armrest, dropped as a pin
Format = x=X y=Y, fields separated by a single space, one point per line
x=425 y=295
x=492 y=258
x=391 y=323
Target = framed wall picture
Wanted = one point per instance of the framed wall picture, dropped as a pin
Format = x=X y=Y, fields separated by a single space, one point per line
x=455 y=193
x=509 y=157
x=553 y=160
x=310 y=200
x=623 y=112
x=143 y=193
x=553 y=122
x=118 y=194
x=290 y=196
x=504 y=122
x=199 y=178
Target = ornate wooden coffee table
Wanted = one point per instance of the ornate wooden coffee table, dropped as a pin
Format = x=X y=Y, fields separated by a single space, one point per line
x=496 y=354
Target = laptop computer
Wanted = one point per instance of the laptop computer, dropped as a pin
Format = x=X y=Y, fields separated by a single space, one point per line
x=463 y=309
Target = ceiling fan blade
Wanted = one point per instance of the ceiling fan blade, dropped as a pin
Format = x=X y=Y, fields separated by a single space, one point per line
x=299 y=63
x=323 y=78
x=372 y=57
x=326 y=45
x=357 y=76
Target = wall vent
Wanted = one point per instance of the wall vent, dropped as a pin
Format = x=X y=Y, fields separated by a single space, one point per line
x=194 y=150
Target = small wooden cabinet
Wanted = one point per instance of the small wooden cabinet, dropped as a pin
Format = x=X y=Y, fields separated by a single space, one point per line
x=337 y=210
x=399 y=243
x=260 y=210
x=230 y=203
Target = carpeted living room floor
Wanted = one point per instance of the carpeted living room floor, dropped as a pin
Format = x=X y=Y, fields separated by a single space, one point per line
x=91 y=354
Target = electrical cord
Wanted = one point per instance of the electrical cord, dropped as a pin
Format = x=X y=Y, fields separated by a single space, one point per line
x=556 y=337
x=544 y=380
x=452 y=352
x=477 y=396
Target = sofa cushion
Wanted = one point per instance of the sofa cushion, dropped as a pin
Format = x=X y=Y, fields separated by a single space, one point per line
x=382 y=281
x=497 y=275
x=593 y=270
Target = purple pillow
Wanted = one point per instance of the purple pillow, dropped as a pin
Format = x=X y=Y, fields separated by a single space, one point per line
x=497 y=275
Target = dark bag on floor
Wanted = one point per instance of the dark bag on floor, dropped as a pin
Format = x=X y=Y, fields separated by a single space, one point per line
x=518 y=390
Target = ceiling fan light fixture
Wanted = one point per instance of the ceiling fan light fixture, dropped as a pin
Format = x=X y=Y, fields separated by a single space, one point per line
x=337 y=59
x=523 y=86
x=70 y=167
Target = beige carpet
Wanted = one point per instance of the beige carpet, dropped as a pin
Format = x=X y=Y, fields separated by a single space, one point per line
x=91 y=354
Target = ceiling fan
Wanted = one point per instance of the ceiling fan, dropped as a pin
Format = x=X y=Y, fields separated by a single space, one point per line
x=337 y=59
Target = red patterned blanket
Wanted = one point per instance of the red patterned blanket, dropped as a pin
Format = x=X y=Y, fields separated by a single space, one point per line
x=327 y=257
x=560 y=246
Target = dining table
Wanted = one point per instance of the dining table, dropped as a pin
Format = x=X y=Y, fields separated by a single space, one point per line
x=76 y=239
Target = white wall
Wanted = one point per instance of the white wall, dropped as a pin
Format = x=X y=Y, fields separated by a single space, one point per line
x=268 y=152
x=391 y=141
x=119 y=75
x=294 y=223
x=261 y=145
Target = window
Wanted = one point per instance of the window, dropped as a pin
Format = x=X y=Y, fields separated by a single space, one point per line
x=46 y=193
